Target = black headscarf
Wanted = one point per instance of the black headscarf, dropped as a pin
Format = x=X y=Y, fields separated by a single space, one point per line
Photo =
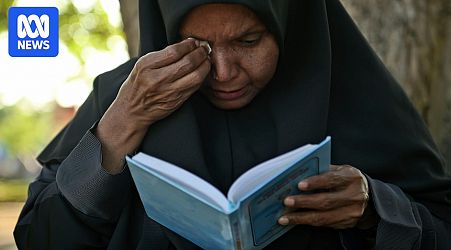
x=328 y=82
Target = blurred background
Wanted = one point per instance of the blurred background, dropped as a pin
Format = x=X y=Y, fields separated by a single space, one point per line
x=38 y=96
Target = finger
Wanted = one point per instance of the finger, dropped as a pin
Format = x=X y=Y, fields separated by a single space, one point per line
x=327 y=200
x=328 y=180
x=343 y=224
x=350 y=218
x=168 y=55
x=173 y=103
x=185 y=65
x=346 y=215
x=184 y=88
x=162 y=97
x=168 y=100
x=165 y=104
x=336 y=167
x=313 y=218
x=192 y=79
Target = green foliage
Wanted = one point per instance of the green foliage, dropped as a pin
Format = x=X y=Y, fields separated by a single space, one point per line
x=23 y=130
x=4 y=6
x=82 y=30
x=26 y=131
x=77 y=30
x=13 y=190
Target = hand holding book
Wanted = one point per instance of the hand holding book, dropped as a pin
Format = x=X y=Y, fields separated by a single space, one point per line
x=340 y=207
x=247 y=218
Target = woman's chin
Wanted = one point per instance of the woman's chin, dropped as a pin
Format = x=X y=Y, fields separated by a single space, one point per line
x=229 y=104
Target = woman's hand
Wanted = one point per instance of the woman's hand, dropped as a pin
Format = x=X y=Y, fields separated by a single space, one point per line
x=162 y=81
x=159 y=84
x=340 y=197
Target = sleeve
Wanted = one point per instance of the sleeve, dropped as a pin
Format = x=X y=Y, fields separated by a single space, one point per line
x=73 y=204
x=87 y=185
x=403 y=223
x=67 y=203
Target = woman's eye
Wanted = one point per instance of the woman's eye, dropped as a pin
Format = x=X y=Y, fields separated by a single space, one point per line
x=249 y=41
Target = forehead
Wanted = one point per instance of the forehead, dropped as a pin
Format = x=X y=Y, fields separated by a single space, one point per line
x=216 y=21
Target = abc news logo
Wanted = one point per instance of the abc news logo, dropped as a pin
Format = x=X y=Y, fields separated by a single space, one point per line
x=33 y=31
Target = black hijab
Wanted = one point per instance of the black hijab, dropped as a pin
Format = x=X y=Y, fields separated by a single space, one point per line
x=328 y=82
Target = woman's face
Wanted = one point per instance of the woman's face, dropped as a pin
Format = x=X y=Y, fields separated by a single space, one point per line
x=244 y=54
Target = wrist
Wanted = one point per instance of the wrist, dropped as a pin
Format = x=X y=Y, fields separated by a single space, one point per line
x=118 y=118
x=118 y=137
x=369 y=218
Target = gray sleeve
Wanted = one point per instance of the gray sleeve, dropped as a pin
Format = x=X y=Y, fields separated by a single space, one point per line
x=403 y=224
x=87 y=185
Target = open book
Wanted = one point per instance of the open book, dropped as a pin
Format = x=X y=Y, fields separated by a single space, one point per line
x=246 y=218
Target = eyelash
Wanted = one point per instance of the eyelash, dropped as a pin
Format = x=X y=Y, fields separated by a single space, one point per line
x=249 y=42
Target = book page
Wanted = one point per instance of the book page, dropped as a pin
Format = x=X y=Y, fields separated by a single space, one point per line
x=255 y=177
x=184 y=180
x=180 y=211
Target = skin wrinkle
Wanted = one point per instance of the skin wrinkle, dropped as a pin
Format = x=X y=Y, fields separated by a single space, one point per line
x=236 y=64
x=149 y=75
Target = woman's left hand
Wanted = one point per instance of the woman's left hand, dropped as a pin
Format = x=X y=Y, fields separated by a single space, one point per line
x=340 y=197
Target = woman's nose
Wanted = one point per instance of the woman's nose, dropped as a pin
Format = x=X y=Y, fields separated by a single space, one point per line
x=224 y=66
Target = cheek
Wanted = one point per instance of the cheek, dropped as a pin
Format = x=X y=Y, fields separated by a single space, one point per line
x=261 y=65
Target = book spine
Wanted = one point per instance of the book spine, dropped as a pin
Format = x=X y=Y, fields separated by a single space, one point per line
x=324 y=156
x=236 y=230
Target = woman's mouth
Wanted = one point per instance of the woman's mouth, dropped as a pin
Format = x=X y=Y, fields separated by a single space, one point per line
x=229 y=95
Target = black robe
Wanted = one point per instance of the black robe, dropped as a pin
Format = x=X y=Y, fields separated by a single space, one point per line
x=328 y=82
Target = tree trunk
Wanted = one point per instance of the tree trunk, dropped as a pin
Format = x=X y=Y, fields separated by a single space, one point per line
x=129 y=12
x=412 y=39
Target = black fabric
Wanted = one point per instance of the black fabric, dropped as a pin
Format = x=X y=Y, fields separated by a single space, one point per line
x=328 y=82
x=84 y=186
x=273 y=13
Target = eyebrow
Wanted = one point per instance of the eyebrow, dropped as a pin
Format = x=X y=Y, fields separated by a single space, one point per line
x=252 y=29
x=250 y=33
x=246 y=32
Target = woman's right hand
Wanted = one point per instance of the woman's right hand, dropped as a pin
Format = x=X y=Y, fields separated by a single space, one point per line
x=159 y=84
x=161 y=81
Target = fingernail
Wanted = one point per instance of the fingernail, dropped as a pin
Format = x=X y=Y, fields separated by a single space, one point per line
x=206 y=45
x=302 y=185
x=195 y=41
x=283 y=221
x=289 y=202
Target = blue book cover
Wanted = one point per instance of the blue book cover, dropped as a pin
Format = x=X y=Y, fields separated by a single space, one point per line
x=246 y=218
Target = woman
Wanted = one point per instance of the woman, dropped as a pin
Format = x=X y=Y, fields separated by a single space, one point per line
x=281 y=74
